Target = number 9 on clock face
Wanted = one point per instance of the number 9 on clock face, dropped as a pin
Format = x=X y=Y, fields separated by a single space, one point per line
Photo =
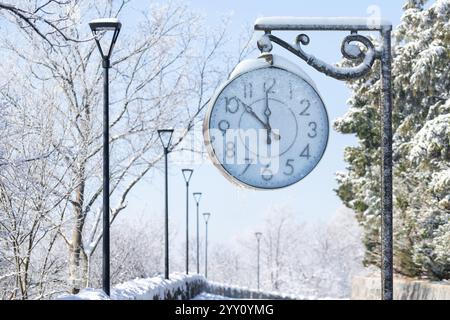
x=266 y=128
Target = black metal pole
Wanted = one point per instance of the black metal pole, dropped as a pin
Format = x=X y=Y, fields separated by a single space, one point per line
x=387 y=270
x=198 y=241
x=166 y=269
x=386 y=175
x=187 y=227
x=106 y=258
x=206 y=250
x=258 y=262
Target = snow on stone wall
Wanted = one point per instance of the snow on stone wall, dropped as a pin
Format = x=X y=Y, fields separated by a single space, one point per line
x=178 y=287
x=246 y=293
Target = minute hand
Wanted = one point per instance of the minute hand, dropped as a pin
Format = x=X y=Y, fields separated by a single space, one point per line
x=267 y=113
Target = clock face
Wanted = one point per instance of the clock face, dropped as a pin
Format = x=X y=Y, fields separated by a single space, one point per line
x=267 y=128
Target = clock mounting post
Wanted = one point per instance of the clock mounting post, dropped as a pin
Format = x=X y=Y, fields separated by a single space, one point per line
x=366 y=59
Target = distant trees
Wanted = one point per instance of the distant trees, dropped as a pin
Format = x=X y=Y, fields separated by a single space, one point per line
x=421 y=69
x=316 y=260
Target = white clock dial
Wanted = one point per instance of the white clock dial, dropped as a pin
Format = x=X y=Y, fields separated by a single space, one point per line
x=267 y=128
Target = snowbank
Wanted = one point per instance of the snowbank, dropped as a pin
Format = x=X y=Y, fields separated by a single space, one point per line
x=237 y=292
x=179 y=286
x=85 y=294
x=209 y=296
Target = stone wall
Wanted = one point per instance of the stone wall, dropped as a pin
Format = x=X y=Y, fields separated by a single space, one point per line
x=245 y=293
x=368 y=288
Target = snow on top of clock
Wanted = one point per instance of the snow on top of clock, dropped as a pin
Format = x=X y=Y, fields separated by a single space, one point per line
x=278 y=61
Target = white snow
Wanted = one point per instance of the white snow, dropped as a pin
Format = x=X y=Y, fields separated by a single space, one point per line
x=209 y=296
x=278 y=61
x=139 y=289
x=264 y=43
x=159 y=288
x=148 y=288
x=86 y=294
x=325 y=21
x=233 y=290
x=113 y=23
x=105 y=20
x=432 y=137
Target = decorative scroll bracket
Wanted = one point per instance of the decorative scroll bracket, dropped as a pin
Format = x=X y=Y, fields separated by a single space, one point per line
x=352 y=52
x=348 y=49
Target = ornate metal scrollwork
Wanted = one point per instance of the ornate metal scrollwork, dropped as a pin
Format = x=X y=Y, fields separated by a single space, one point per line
x=349 y=50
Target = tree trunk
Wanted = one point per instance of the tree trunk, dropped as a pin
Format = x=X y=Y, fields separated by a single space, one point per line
x=77 y=241
x=74 y=260
x=85 y=269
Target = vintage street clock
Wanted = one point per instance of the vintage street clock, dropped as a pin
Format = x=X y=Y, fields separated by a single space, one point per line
x=267 y=126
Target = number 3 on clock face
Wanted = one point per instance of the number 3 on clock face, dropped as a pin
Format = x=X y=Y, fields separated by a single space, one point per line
x=266 y=128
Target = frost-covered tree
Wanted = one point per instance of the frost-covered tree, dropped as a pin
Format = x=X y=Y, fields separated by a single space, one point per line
x=29 y=265
x=42 y=17
x=421 y=69
x=164 y=68
x=306 y=259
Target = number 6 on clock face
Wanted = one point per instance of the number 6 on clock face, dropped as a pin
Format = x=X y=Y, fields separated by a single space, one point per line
x=266 y=128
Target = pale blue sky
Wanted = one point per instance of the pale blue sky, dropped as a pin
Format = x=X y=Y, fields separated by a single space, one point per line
x=236 y=211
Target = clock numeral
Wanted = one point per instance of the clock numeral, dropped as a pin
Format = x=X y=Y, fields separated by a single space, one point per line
x=266 y=173
x=224 y=125
x=290 y=167
x=269 y=85
x=231 y=105
x=230 y=150
x=313 y=127
x=307 y=103
x=305 y=153
x=248 y=90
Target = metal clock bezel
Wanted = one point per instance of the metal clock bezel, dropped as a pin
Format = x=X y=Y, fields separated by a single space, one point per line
x=207 y=139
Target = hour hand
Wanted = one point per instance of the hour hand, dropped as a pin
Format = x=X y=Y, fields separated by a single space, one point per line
x=249 y=110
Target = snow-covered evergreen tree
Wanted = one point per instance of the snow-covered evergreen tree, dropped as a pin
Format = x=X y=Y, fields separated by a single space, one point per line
x=421 y=69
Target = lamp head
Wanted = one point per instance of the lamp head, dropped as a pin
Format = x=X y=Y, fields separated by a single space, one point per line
x=206 y=216
x=105 y=24
x=100 y=29
x=187 y=174
x=197 y=196
x=165 y=135
x=258 y=235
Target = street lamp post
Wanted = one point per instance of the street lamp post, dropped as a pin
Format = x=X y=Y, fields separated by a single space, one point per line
x=187 y=174
x=258 y=239
x=99 y=28
x=206 y=216
x=197 y=197
x=165 y=135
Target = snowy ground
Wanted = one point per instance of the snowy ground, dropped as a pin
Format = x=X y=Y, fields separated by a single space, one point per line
x=209 y=296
